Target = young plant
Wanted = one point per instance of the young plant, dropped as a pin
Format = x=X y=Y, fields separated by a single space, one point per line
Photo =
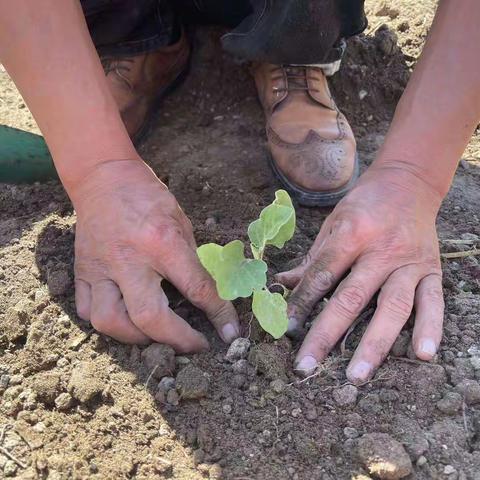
x=239 y=277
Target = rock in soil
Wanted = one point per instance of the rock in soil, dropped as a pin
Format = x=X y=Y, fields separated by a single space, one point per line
x=166 y=384
x=192 y=383
x=383 y=457
x=238 y=350
x=64 y=401
x=470 y=389
x=159 y=360
x=346 y=396
x=85 y=384
x=47 y=386
x=451 y=403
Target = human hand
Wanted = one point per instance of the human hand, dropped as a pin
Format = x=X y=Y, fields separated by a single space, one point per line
x=383 y=234
x=130 y=235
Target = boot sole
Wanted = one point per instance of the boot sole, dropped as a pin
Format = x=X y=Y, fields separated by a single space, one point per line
x=309 y=198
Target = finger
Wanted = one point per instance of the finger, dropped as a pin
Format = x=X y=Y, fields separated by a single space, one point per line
x=429 y=310
x=147 y=306
x=394 y=307
x=109 y=314
x=196 y=285
x=83 y=299
x=319 y=279
x=345 y=305
x=291 y=277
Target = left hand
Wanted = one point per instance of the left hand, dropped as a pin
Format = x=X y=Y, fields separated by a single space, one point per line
x=383 y=235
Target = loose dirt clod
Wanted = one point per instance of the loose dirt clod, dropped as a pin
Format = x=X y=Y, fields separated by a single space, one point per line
x=85 y=383
x=346 y=396
x=270 y=360
x=47 y=386
x=192 y=383
x=159 y=360
x=383 y=457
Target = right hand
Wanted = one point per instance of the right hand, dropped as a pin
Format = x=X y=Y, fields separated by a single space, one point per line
x=130 y=235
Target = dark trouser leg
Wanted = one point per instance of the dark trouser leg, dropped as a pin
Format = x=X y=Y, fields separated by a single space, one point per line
x=296 y=31
x=130 y=27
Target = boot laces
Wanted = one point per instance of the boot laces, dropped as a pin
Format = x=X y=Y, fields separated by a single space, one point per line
x=296 y=76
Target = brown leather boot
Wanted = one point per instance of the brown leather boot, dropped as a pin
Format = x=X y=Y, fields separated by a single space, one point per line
x=313 y=150
x=138 y=83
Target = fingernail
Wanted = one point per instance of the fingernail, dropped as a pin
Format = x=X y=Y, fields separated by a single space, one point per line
x=229 y=333
x=428 y=346
x=306 y=366
x=360 y=371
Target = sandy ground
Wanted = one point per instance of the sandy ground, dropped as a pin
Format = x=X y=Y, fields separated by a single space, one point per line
x=77 y=405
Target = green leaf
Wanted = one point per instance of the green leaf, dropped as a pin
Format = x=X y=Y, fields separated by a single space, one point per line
x=235 y=275
x=271 y=312
x=276 y=224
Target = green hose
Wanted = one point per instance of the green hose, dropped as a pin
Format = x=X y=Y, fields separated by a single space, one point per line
x=24 y=157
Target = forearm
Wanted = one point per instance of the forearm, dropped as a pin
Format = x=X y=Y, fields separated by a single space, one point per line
x=440 y=108
x=46 y=48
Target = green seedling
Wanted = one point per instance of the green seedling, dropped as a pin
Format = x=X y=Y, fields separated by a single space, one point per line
x=239 y=277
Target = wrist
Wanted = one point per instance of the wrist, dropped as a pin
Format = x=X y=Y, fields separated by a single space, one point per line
x=415 y=173
x=401 y=177
x=107 y=175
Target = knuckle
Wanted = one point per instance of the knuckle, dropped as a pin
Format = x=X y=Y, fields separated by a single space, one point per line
x=349 y=301
x=398 y=304
x=148 y=316
x=318 y=279
x=200 y=292
x=161 y=235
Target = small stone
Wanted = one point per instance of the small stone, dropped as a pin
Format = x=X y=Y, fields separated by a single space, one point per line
x=448 y=470
x=238 y=350
x=166 y=384
x=63 y=402
x=384 y=9
x=159 y=360
x=350 y=432
x=16 y=379
x=278 y=386
x=173 y=398
x=451 y=403
x=85 y=384
x=10 y=468
x=181 y=361
x=210 y=222
x=192 y=383
x=311 y=413
x=475 y=361
x=470 y=389
x=421 y=461
x=346 y=396
x=240 y=366
x=227 y=409
x=296 y=412
x=383 y=456
x=163 y=467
